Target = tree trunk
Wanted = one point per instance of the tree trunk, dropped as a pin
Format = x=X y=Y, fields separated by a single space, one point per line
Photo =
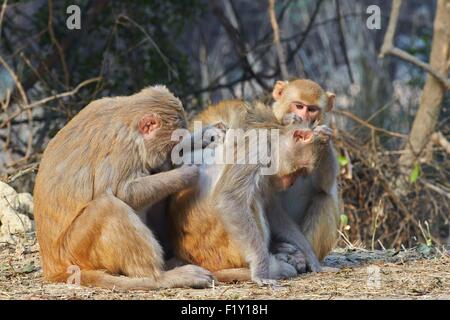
x=433 y=91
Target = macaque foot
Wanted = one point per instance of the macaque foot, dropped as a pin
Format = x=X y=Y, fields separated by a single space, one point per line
x=288 y=253
x=188 y=276
x=280 y=269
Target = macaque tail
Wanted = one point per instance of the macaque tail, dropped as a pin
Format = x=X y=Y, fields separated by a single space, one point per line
x=98 y=278
x=233 y=275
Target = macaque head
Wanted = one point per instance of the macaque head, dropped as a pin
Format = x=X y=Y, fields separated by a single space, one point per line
x=298 y=154
x=303 y=97
x=156 y=123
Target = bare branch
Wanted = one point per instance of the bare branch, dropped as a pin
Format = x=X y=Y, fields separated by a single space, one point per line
x=439 y=139
x=276 y=40
x=369 y=125
x=48 y=99
x=56 y=43
x=306 y=32
x=2 y=14
x=342 y=41
x=239 y=45
x=388 y=47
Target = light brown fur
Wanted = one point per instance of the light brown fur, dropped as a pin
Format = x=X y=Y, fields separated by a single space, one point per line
x=313 y=200
x=95 y=174
x=228 y=227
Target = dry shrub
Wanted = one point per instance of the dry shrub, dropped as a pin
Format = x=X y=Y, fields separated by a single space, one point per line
x=383 y=207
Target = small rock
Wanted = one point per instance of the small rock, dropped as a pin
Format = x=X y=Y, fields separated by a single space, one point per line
x=16 y=211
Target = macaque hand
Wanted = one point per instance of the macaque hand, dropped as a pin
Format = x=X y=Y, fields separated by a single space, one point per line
x=324 y=133
x=290 y=254
x=290 y=118
x=279 y=269
x=214 y=135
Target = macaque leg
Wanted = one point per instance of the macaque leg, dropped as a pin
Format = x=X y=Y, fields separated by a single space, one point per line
x=285 y=230
x=242 y=226
x=108 y=235
x=320 y=224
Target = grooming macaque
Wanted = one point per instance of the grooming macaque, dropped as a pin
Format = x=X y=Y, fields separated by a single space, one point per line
x=313 y=200
x=226 y=221
x=102 y=168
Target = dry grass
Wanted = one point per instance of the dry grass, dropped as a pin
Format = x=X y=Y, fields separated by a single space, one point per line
x=418 y=273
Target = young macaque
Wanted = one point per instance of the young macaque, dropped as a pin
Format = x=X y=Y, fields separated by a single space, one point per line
x=313 y=200
x=105 y=165
x=226 y=221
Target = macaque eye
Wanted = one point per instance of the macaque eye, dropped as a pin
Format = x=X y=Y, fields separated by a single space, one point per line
x=299 y=106
x=312 y=109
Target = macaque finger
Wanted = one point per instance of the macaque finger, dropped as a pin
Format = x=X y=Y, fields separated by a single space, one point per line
x=291 y=118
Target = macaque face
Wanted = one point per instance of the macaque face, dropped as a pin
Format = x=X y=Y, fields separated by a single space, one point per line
x=298 y=155
x=305 y=110
x=303 y=97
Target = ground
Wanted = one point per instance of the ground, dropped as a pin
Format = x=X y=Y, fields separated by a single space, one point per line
x=417 y=273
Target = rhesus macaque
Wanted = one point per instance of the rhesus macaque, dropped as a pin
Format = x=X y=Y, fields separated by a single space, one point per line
x=96 y=173
x=313 y=200
x=226 y=221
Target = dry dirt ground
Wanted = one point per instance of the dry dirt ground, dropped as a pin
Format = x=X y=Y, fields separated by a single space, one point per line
x=417 y=273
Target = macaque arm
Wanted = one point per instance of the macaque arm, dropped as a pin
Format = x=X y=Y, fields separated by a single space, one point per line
x=241 y=224
x=146 y=191
x=284 y=229
x=200 y=139
x=324 y=176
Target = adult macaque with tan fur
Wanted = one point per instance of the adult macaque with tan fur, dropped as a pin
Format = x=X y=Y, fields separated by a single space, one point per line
x=225 y=222
x=96 y=173
x=313 y=200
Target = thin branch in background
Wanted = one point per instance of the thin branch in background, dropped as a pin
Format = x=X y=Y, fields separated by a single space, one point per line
x=276 y=40
x=69 y=42
x=2 y=14
x=439 y=139
x=369 y=125
x=25 y=102
x=153 y=43
x=341 y=23
x=48 y=99
x=435 y=188
x=388 y=47
x=306 y=32
x=56 y=43
x=239 y=45
x=23 y=171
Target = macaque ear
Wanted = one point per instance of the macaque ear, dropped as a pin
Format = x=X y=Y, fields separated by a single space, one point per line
x=148 y=124
x=278 y=89
x=330 y=103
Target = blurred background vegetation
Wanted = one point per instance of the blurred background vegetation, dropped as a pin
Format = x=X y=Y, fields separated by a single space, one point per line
x=205 y=51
